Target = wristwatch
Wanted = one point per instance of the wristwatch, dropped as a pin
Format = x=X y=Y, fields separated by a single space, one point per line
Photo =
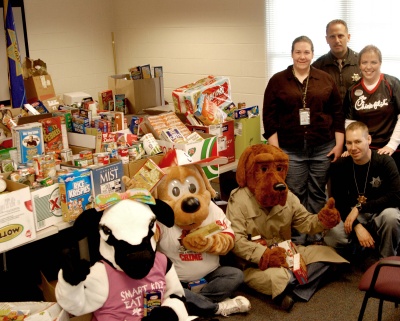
x=358 y=206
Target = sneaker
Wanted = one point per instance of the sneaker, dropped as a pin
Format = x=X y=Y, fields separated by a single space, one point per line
x=238 y=304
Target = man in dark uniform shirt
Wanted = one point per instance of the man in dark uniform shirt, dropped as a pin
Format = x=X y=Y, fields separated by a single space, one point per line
x=340 y=62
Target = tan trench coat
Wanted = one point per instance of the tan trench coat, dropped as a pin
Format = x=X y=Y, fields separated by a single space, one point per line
x=274 y=225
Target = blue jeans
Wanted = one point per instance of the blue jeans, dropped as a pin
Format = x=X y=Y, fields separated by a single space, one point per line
x=307 y=178
x=221 y=283
x=308 y=174
x=384 y=228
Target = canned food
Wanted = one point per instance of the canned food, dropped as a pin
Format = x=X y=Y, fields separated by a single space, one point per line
x=136 y=152
x=123 y=154
x=150 y=145
x=101 y=158
x=7 y=165
x=49 y=168
x=37 y=164
x=66 y=155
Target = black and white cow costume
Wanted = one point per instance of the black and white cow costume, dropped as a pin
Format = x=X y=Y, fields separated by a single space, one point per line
x=114 y=287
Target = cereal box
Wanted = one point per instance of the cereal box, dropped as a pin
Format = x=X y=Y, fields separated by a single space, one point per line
x=52 y=134
x=105 y=97
x=76 y=193
x=28 y=139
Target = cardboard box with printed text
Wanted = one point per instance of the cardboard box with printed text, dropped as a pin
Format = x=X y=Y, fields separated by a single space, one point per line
x=17 y=224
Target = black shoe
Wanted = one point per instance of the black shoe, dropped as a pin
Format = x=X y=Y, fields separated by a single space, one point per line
x=287 y=303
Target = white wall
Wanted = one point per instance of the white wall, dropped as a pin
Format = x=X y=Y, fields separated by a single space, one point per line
x=190 y=39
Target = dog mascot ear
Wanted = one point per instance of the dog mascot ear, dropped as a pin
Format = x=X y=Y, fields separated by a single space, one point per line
x=131 y=280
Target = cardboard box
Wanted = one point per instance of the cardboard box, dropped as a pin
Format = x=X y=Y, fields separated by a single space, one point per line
x=197 y=150
x=46 y=203
x=49 y=295
x=17 y=223
x=140 y=93
x=225 y=137
x=190 y=97
x=132 y=168
x=74 y=97
x=39 y=88
x=86 y=141
x=300 y=268
x=247 y=133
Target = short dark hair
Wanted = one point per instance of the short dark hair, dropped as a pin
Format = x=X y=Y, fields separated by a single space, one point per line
x=302 y=39
x=335 y=22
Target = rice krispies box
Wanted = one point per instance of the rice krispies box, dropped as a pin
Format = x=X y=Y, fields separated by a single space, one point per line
x=76 y=193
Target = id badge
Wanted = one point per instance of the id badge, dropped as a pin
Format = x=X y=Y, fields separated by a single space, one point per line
x=304 y=116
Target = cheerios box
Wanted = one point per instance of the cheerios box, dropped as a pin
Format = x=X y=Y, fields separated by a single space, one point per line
x=17 y=225
x=197 y=150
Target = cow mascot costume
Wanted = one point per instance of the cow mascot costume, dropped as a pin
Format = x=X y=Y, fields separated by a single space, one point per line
x=263 y=212
x=132 y=281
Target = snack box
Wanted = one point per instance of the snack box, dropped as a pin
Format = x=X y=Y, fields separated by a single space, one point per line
x=300 y=268
x=196 y=286
x=188 y=97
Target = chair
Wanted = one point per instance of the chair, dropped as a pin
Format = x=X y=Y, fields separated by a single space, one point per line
x=381 y=281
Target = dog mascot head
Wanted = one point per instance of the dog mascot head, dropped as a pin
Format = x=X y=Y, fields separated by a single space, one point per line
x=263 y=169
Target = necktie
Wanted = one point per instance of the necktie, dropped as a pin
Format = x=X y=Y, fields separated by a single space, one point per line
x=340 y=63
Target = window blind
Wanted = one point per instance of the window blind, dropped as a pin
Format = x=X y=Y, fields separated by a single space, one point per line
x=369 y=22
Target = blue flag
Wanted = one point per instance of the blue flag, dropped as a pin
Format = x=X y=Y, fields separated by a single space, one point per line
x=15 y=77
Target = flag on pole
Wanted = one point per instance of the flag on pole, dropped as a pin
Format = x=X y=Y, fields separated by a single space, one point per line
x=15 y=77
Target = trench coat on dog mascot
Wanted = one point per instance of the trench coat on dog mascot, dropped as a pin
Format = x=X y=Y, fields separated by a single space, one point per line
x=263 y=206
x=114 y=288
x=187 y=190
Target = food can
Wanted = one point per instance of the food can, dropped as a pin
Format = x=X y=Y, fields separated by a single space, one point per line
x=66 y=155
x=101 y=158
x=52 y=154
x=150 y=145
x=7 y=165
x=49 y=168
x=123 y=154
x=136 y=151
x=37 y=164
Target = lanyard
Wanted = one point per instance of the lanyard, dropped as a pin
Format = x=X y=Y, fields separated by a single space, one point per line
x=304 y=92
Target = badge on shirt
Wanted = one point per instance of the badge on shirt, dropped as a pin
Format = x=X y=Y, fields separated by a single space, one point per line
x=304 y=116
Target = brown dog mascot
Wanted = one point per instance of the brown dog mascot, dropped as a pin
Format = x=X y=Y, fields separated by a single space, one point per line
x=262 y=206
